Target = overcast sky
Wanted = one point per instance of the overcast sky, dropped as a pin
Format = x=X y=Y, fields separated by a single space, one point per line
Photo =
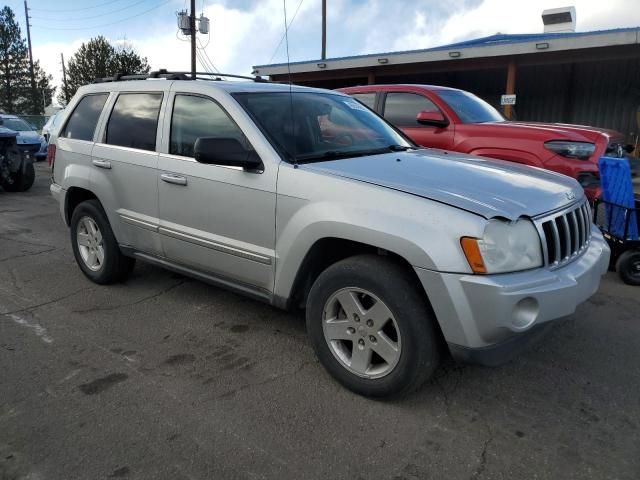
x=247 y=32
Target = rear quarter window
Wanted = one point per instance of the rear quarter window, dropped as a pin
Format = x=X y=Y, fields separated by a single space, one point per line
x=369 y=99
x=84 y=118
x=134 y=121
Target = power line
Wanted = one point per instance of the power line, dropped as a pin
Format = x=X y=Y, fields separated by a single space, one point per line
x=286 y=31
x=76 y=9
x=105 y=24
x=93 y=16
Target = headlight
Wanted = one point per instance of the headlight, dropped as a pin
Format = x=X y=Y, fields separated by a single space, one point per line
x=579 y=150
x=504 y=247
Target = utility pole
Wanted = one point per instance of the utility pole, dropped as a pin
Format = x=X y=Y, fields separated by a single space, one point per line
x=64 y=79
x=192 y=25
x=324 y=29
x=33 y=77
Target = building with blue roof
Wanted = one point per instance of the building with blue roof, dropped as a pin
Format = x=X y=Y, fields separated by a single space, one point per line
x=589 y=78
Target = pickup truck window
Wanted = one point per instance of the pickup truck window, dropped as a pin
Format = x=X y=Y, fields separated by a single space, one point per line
x=82 y=122
x=306 y=126
x=469 y=108
x=195 y=116
x=369 y=99
x=134 y=121
x=402 y=108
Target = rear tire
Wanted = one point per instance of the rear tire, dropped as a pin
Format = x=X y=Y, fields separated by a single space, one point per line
x=393 y=327
x=628 y=267
x=95 y=247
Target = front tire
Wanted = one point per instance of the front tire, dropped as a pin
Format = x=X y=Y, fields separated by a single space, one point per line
x=95 y=247
x=371 y=327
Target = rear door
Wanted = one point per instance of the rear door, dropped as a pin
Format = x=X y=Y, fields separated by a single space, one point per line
x=402 y=108
x=215 y=219
x=125 y=162
x=75 y=142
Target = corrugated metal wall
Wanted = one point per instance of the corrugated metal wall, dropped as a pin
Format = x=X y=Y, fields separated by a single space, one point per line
x=602 y=94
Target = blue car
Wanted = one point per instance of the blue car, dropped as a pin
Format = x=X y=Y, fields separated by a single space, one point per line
x=28 y=140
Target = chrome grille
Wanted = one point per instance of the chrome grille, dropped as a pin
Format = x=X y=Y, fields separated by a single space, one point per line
x=565 y=234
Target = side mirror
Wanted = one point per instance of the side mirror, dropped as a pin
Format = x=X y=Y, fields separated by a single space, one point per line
x=225 y=151
x=432 y=118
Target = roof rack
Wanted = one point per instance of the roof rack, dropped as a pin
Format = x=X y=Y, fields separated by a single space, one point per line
x=163 y=73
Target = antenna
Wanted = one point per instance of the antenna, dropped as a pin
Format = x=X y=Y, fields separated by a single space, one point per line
x=293 y=122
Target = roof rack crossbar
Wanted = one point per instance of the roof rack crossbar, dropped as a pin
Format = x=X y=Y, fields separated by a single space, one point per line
x=167 y=75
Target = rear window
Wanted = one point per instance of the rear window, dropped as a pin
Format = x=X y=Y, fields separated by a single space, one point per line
x=82 y=122
x=134 y=121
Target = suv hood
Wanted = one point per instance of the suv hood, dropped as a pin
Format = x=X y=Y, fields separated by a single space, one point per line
x=487 y=187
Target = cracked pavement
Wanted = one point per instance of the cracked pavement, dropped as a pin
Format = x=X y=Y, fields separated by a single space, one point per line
x=166 y=377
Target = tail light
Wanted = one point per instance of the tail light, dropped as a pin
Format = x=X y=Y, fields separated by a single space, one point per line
x=51 y=155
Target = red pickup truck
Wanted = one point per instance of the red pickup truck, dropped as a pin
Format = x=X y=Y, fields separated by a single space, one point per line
x=452 y=119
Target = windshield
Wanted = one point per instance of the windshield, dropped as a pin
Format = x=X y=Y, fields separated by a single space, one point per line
x=17 y=125
x=469 y=108
x=310 y=126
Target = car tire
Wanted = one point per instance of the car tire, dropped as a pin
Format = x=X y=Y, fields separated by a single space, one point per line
x=382 y=288
x=628 y=267
x=22 y=180
x=95 y=247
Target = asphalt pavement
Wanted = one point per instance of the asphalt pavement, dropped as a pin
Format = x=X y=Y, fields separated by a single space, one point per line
x=164 y=377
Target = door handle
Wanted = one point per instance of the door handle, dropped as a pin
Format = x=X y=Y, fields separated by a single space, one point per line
x=175 y=179
x=102 y=164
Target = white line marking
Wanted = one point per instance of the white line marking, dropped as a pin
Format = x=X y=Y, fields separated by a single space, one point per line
x=38 y=329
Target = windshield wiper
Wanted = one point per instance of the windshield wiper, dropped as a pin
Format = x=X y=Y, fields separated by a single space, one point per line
x=400 y=148
x=337 y=154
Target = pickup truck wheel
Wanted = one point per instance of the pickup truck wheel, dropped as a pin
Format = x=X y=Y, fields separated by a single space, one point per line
x=371 y=328
x=628 y=267
x=95 y=247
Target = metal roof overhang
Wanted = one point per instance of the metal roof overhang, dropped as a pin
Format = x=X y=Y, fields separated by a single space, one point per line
x=554 y=43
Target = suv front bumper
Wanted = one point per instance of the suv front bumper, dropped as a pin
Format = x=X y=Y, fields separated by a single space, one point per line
x=486 y=319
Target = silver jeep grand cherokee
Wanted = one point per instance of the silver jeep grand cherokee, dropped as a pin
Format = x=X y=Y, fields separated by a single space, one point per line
x=305 y=198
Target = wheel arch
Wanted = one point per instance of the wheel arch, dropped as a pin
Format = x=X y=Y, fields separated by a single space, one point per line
x=74 y=197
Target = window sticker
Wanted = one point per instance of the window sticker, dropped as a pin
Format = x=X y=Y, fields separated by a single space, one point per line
x=353 y=105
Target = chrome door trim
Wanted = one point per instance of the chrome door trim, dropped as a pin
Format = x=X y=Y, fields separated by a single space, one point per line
x=139 y=223
x=203 y=242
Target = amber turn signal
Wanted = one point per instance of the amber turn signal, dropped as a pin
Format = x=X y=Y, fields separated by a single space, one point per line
x=472 y=252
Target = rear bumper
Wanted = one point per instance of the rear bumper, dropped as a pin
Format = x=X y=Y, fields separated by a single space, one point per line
x=60 y=195
x=487 y=318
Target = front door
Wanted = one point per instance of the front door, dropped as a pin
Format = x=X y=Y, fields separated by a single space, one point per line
x=214 y=219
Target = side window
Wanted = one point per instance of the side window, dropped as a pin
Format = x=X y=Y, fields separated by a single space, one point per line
x=134 y=120
x=84 y=118
x=402 y=108
x=369 y=99
x=194 y=117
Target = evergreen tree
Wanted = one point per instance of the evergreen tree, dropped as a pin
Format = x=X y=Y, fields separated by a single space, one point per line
x=13 y=51
x=16 y=95
x=98 y=58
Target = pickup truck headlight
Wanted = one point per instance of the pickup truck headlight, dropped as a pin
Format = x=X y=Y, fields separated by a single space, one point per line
x=579 y=150
x=504 y=247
